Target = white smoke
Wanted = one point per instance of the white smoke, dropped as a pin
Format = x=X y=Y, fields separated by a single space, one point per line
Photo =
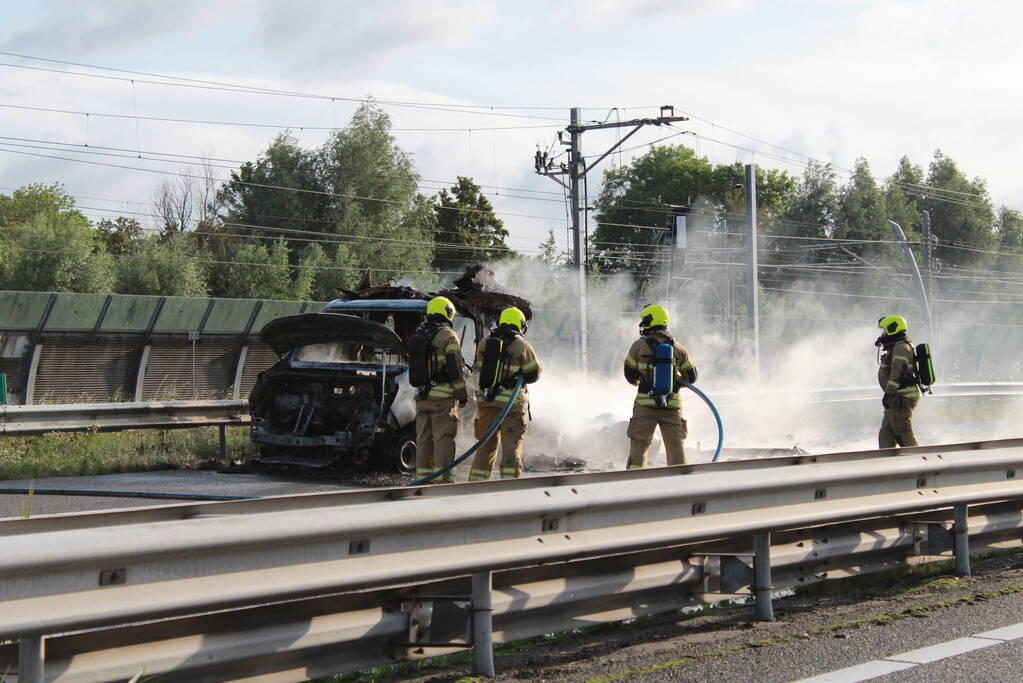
x=583 y=414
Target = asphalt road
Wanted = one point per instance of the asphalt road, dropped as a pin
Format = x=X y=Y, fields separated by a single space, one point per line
x=171 y=481
x=817 y=656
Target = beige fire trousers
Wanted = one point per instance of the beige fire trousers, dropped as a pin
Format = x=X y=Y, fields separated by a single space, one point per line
x=436 y=428
x=897 y=423
x=509 y=436
x=641 y=434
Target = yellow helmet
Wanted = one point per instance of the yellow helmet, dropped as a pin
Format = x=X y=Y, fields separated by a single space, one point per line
x=653 y=316
x=514 y=317
x=442 y=306
x=892 y=325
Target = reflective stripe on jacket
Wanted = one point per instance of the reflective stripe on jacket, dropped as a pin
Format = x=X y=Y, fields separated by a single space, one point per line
x=521 y=358
x=898 y=367
x=445 y=342
x=640 y=359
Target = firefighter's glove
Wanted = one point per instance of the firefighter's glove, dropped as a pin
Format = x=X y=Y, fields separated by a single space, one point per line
x=886 y=401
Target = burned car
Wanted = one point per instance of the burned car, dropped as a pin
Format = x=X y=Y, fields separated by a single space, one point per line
x=339 y=394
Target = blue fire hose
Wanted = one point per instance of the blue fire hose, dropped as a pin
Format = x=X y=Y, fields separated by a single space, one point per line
x=490 y=432
x=717 y=418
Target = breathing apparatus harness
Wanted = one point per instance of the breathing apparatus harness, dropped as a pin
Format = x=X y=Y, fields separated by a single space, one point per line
x=922 y=374
x=493 y=380
x=661 y=384
x=423 y=373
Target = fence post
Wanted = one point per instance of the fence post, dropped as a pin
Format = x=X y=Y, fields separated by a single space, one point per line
x=762 y=576
x=223 y=442
x=961 y=535
x=482 y=626
x=31 y=658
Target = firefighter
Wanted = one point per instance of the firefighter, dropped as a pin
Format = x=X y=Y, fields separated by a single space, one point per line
x=438 y=401
x=898 y=380
x=500 y=365
x=656 y=406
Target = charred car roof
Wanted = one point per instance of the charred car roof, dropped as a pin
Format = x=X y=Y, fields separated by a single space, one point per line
x=294 y=331
x=400 y=305
x=476 y=293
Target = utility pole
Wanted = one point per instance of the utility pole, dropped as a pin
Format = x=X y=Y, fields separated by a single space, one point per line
x=752 y=278
x=927 y=269
x=576 y=170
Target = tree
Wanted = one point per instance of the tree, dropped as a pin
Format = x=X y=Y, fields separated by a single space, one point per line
x=1010 y=237
x=282 y=193
x=636 y=201
x=465 y=217
x=549 y=252
x=47 y=245
x=863 y=214
x=119 y=236
x=334 y=273
x=358 y=190
x=375 y=204
x=813 y=209
x=35 y=199
x=190 y=199
x=260 y=273
x=162 y=265
x=960 y=209
x=902 y=196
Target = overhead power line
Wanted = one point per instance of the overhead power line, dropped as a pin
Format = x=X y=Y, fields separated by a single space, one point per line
x=250 y=124
x=205 y=162
x=271 y=187
x=182 y=81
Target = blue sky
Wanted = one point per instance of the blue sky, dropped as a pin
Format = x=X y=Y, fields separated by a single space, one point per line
x=833 y=79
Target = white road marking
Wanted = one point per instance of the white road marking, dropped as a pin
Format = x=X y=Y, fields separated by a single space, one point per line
x=1013 y=632
x=924 y=655
x=860 y=672
x=949 y=648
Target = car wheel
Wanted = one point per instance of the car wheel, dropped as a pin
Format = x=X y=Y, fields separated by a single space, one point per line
x=403 y=454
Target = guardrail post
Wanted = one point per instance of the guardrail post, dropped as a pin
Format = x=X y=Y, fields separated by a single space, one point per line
x=762 y=576
x=961 y=534
x=223 y=443
x=482 y=626
x=31 y=656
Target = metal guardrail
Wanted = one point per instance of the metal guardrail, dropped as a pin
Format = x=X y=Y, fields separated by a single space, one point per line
x=613 y=544
x=66 y=417
x=302 y=639
x=106 y=417
x=727 y=399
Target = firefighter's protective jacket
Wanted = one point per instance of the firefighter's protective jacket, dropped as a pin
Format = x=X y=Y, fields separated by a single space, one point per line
x=520 y=358
x=446 y=362
x=897 y=372
x=639 y=368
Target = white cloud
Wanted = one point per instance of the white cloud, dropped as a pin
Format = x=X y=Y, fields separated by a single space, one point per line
x=590 y=11
x=878 y=79
x=74 y=28
x=316 y=38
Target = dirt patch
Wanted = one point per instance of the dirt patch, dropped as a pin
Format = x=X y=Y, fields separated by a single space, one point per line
x=625 y=650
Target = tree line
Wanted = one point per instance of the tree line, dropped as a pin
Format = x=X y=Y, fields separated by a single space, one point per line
x=306 y=223
x=295 y=223
x=636 y=200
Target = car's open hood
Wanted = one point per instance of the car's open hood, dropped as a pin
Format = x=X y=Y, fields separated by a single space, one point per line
x=293 y=331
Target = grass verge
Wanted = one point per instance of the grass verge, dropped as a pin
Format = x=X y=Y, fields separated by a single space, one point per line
x=93 y=453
